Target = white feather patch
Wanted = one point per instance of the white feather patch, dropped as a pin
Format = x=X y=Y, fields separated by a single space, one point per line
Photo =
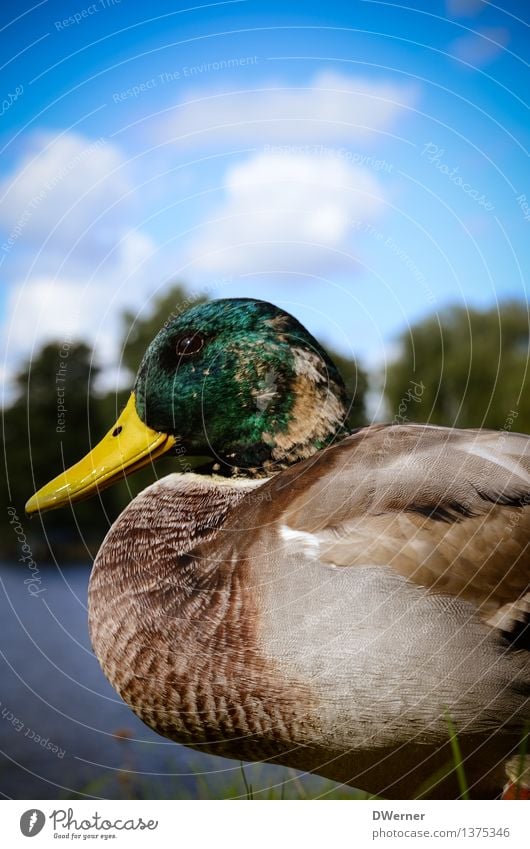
x=302 y=541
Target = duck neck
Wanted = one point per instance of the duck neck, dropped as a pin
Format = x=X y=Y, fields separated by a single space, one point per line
x=317 y=416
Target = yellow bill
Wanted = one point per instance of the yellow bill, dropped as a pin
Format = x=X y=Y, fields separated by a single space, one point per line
x=129 y=445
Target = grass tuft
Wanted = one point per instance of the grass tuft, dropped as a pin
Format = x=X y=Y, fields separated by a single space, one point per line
x=457 y=758
x=248 y=787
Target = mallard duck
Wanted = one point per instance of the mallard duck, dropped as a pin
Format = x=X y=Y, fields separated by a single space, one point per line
x=296 y=592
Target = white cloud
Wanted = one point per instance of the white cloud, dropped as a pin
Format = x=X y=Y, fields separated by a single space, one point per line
x=58 y=192
x=70 y=257
x=51 y=310
x=481 y=47
x=290 y=212
x=47 y=308
x=333 y=108
x=61 y=309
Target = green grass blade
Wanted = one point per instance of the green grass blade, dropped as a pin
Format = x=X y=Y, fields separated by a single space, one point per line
x=457 y=757
x=248 y=787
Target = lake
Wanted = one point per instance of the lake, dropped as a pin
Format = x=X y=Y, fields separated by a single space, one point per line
x=65 y=733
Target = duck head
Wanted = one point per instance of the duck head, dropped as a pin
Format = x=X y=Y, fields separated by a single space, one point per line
x=233 y=387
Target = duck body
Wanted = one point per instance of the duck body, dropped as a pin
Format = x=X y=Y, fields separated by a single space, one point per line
x=336 y=602
x=276 y=620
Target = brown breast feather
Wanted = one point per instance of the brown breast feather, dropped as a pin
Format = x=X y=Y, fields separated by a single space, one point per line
x=174 y=626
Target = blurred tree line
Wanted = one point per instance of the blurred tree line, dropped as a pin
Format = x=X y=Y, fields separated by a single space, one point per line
x=471 y=369
x=37 y=447
x=468 y=368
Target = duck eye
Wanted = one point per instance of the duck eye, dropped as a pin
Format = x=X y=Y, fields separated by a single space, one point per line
x=188 y=344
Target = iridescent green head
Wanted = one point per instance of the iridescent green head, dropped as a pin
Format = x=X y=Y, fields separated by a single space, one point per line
x=242 y=382
x=237 y=387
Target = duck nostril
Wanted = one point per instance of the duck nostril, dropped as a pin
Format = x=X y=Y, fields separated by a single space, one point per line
x=117 y=430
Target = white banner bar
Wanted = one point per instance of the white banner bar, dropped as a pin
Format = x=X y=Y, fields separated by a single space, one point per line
x=269 y=825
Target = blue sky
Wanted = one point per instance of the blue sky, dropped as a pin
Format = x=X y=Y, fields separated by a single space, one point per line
x=361 y=163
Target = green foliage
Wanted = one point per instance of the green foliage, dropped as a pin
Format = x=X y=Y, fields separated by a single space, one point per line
x=472 y=365
x=356 y=381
